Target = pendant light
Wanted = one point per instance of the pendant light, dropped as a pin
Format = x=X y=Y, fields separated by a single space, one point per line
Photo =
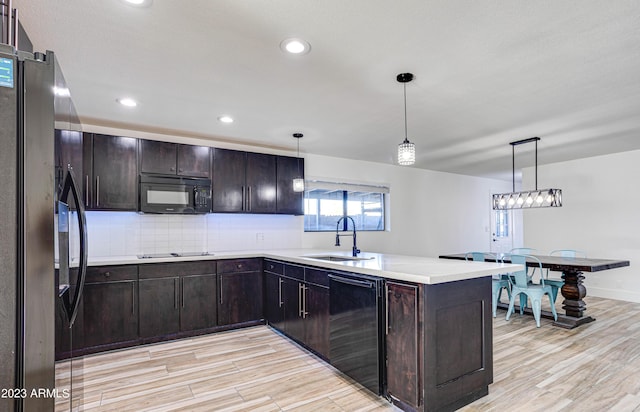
x=298 y=182
x=528 y=199
x=406 y=149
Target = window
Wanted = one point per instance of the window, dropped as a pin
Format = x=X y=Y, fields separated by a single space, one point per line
x=324 y=206
x=502 y=223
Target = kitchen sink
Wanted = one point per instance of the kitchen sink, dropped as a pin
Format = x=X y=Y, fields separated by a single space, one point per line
x=339 y=258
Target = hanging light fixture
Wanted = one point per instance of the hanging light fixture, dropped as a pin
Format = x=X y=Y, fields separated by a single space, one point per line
x=528 y=199
x=298 y=182
x=406 y=149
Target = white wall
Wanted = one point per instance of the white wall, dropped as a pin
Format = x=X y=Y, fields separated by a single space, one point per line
x=431 y=213
x=599 y=216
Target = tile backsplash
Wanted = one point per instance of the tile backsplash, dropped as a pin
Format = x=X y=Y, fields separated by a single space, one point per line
x=129 y=233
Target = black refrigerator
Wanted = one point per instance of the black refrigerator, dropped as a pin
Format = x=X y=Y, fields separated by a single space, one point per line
x=28 y=290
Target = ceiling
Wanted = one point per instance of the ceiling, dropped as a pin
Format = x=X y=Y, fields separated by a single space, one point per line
x=486 y=73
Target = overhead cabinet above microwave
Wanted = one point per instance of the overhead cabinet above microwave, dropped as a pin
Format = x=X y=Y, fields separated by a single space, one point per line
x=174 y=159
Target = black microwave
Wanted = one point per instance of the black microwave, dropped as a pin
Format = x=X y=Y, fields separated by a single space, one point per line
x=174 y=194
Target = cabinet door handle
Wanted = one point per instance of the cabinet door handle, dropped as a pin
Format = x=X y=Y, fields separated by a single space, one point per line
x=249 y=198
x=244 y=199
x=299 y=299
x=386 y=308
x=133 y=298
x=86 y=192
x=107 y=274
x=280 y=302
x=182 y=290
x=304 y=301
x=173 y=169
x=221 y=276
x=175 y=293
x=97 y=190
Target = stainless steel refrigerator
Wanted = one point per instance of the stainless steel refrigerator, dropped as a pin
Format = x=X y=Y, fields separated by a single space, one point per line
x=28 y=291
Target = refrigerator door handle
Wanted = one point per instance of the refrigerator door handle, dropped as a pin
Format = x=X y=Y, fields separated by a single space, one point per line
x=72 y=303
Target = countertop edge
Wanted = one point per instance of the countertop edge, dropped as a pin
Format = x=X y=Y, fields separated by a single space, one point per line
x=414 y=269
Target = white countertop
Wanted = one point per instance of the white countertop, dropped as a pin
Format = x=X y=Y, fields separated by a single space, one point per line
x=416 y=269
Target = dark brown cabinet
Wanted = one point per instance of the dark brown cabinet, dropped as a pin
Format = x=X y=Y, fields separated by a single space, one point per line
x=297 y=303
x=273 y=303
x=404 y=381
x=177 y=297
x=174 y=159
x=159 y=307
x=110 y=172
x=68 y=155
x=110 y=312
x=243 y=182
x=288 y=201
x=240 y=291
x=198 y=304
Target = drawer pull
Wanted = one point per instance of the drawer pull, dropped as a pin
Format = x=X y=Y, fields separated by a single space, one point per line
x=107 y=274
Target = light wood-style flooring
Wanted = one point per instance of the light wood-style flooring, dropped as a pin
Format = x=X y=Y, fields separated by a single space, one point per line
x=595 y=367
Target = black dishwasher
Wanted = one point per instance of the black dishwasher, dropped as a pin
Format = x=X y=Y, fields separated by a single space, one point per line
x=355 y=336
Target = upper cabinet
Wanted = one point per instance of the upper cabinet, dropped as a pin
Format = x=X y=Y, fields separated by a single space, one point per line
x=174 y=159
x=111 y=172
x=243 y=182
x=68 y=156
x=288 y=201
x=107 y=172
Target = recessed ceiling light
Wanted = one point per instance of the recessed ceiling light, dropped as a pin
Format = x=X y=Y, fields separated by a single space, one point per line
x=295 y=46
x=225 y=119
x=126 y=101
x=138 y=3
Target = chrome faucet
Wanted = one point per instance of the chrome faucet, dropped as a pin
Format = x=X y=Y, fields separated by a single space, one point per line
x=355 y=249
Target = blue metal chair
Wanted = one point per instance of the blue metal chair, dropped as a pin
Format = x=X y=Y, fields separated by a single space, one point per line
x=497 y=283
x=521 y=286
x=525 y=251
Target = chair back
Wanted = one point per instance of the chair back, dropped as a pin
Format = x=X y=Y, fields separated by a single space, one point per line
x=568 y=253
x=520 y=278
x=482 y=256
x=524 y=251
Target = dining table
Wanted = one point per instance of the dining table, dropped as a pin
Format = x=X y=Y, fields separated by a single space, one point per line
x=573 y=289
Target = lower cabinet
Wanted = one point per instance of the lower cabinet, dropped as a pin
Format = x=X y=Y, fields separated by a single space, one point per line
x=296 y=306
x=240 y=291
x=403 y=342
x=177 y=297
x=439 y=344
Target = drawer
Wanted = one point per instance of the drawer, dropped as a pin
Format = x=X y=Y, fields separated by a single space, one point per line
x=273 y=267
x=317 y=276
x=164 y=270
x=239 y=265
x=98 y=274
x=295 y=272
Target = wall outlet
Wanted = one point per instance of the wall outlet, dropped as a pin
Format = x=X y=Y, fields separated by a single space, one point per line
x=259 y=237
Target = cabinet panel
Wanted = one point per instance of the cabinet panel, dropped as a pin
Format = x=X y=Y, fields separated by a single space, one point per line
x=198 y=306
x=240 y=297
x=316 y=316
x=293 y=322
x=114 y=182
x=402 y=338
x=260 y=183
x=158 y=157
x=274 y=303
x=194 y=161
x=228 y=180
x=159 y=307
x=110 y=313
x=69 y=153
x=288 y=201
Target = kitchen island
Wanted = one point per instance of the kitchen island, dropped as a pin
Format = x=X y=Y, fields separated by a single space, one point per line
x=433 y=323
